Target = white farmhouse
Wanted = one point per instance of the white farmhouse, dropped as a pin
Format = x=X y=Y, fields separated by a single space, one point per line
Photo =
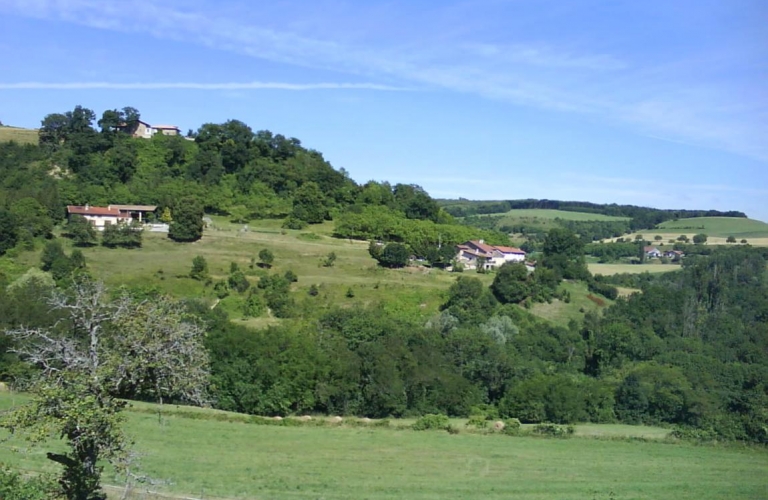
x=473 y=253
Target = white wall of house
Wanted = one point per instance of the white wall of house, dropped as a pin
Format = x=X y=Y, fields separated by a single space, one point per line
x=101 y=221
x=514 y=257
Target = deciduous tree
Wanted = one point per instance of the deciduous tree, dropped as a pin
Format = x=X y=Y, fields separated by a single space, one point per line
x=104 y=348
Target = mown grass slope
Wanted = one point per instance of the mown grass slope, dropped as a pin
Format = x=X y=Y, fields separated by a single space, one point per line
x=20 y=135
x=202 y=458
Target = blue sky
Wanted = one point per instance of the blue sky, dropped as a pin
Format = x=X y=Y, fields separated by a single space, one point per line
x=657 y=103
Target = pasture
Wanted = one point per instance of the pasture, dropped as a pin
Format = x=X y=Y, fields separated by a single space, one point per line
x=20 y=135
x=209 y=457
x=721 y=227
x=611 y=269
x=166 y=264
x=162 y=263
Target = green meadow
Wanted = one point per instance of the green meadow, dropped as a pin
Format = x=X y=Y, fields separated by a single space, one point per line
x=164 y=264
x=210 y=457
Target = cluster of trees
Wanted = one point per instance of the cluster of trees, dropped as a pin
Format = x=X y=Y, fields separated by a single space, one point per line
x=422 y=237
x=690 y=350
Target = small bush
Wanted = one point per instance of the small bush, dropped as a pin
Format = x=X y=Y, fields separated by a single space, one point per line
x=488 y=412
x=477 y=421
x=511 y=427
x=554 y=430
x=452 y=430
x=431 y=421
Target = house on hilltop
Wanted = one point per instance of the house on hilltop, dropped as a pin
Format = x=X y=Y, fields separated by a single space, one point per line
x=473 y=253
x=144 y=130
x=101 y=217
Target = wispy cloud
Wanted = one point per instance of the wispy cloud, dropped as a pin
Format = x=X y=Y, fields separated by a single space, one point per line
x=652 y=98
x=196 y=86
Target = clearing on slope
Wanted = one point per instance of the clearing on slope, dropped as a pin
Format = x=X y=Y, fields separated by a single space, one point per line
x=20 y=135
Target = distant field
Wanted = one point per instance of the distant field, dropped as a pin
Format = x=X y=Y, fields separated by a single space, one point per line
x=20 y=135
x=718 y=226
x=610 y=269
x=542 y=213
x=538 y=220
x=197 y=458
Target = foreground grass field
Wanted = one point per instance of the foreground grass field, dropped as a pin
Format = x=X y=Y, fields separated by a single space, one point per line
x=197 y=458
x=20 y=135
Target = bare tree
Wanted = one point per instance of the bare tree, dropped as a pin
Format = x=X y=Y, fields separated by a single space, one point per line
x=102 y=347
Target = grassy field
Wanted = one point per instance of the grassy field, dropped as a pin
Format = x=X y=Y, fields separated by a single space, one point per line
x=717 y=229
x=610 y=269
x=543 y=213
x=20 y=135
x=545 y=219
x=166 y=264
x=197 y=458
x=718 y=226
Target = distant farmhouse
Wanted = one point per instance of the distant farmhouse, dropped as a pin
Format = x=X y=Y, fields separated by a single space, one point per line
x=144 y=130
x=474 y=253
x=100 y=217
x=652 y=252
x=674 y=254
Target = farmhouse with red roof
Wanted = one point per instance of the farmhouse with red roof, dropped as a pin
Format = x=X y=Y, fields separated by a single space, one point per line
x=100 y=217
x=473 y=253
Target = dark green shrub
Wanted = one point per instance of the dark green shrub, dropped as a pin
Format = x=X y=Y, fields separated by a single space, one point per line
x=14 y=486
x=477 y=421
x=431 y=421
x=199 y=269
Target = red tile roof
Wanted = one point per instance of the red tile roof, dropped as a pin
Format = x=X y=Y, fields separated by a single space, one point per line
x=489 y=249
x=510 y=250
x=100 y=211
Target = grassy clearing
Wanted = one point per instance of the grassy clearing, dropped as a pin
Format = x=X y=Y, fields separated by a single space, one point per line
x=20 y=135
x=562 y=313
x=214 y=459
x=626 y=291
x=611 y=269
